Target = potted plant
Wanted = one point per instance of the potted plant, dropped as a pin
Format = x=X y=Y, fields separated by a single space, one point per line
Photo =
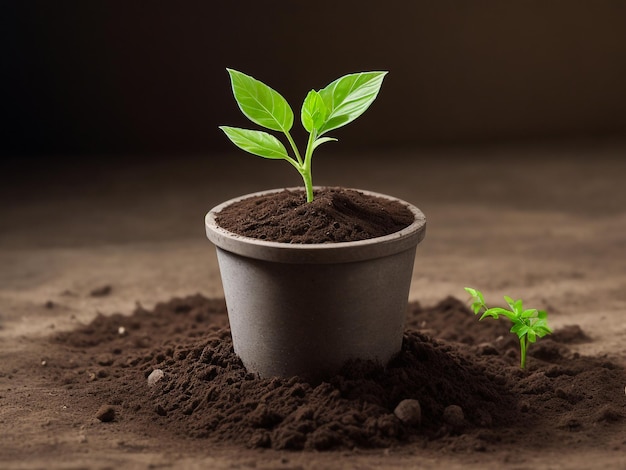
x=305 y=306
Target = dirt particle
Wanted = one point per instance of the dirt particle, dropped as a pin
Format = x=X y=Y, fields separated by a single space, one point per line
x=453 y=415
x=409 y=412
x=260 y=439
x=155 y=376
x=106 y=413
x=105 y=360
x=487 y=349
x=571 y=424
x=263 y=417
x=609 y=414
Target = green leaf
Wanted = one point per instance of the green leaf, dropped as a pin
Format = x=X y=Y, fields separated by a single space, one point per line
x=520 y=329
x=531 y=312
x=502 y=311
x=257 y=142
x=472 y=292
x=260 y=103
x=516 y=305
x=323 y=140
x=541 y=328
x=314 y=112
x=348 y=97
x=495 y=312
x=477 y=299
x=542 y=331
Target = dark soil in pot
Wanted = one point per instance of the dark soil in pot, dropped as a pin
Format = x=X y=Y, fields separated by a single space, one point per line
x=335 y=215
x=464 y=374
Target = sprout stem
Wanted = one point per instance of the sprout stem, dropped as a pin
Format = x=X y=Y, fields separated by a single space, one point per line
x=294 y=147
x=306 y=168
x=308 y=184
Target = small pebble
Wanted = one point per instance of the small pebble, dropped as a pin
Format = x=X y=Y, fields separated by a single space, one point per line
x=154 y=377
x=121 y=331
x=106 y=413
x=453 y=415
x=409 y=412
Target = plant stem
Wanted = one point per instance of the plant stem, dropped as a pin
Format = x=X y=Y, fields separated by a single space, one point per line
x=306 y=167
x=308 y=184
x=522 y=345
x=294 y=147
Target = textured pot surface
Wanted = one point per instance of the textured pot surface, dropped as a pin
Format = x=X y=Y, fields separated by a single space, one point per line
x=307 y=309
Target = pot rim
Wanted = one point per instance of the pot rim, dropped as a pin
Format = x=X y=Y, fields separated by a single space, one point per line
x=320 y=253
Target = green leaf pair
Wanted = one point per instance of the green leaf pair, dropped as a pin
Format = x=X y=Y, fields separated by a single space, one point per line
x=528 y=324
x=330 y=108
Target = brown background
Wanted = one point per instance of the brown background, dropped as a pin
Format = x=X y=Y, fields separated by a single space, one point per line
x=103 y=77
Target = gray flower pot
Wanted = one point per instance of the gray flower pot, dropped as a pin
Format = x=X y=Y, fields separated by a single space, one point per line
x=305 y=310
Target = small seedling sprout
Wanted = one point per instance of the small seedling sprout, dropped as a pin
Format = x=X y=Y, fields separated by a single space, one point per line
x=528 y=324
x=334 y=106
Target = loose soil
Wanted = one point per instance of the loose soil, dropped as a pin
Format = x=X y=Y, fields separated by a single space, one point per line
x=465 y=375
x=335 y=215
x=559 y=244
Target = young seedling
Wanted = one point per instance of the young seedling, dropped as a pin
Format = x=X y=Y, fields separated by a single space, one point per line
x=334 y=106
x=528 y=324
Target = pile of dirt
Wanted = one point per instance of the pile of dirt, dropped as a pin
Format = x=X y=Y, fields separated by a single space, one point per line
x=173 y=370
x=335 y=215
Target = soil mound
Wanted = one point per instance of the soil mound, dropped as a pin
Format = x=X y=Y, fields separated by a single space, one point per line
x=173 y=370
x=335 y=215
